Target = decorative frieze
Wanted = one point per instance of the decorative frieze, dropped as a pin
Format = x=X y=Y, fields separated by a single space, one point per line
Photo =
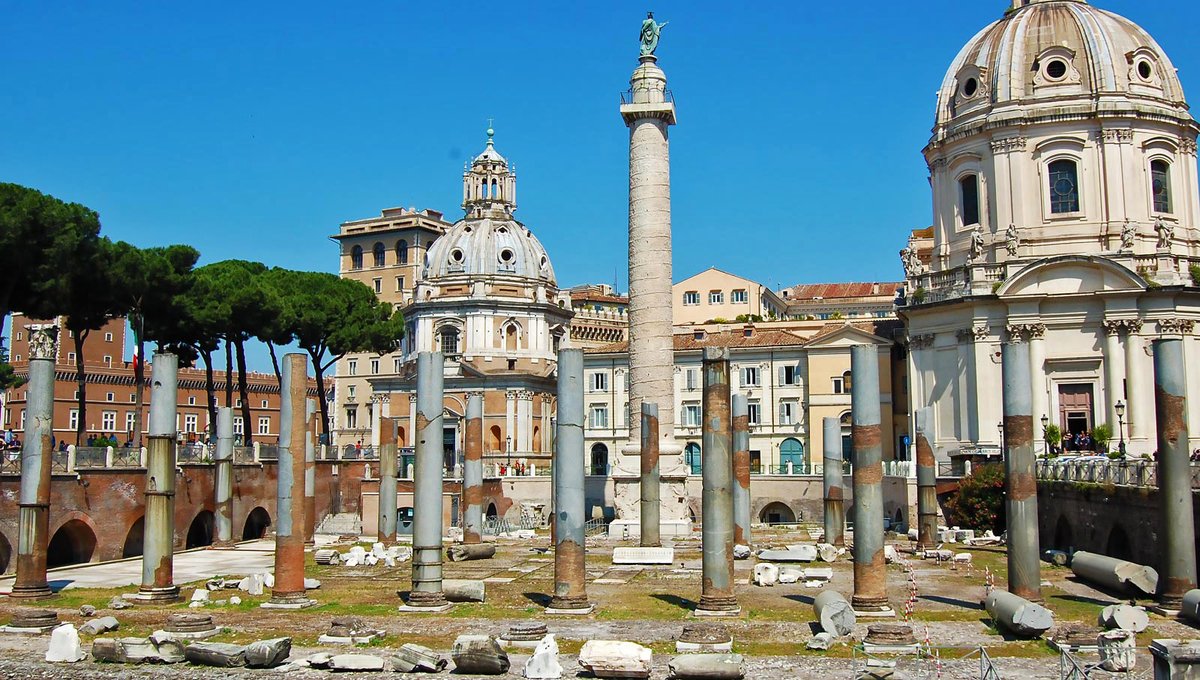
x=1009 y=144
x=1176 y=326
x=43 y=341
x=1115 y=135
x=921 y=341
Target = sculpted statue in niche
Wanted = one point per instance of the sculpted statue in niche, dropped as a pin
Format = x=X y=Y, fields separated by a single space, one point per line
x=976 y=243
x=1012 y=241
x=1165 y=231
x=1128 y=233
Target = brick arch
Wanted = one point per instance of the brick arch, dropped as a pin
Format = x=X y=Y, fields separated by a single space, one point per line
x=759 y=504
x=74 y=540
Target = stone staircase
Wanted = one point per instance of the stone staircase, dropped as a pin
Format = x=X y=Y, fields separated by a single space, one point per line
x=341 y=524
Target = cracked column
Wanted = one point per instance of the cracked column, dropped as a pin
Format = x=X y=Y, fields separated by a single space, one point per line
x=312 y=422
x=741 y=470
x=570 y=553
x=651 y=477
x=289 y=592
x=34 y=522
x=223 y=489
x=648 y=111
x=159 y=539
x=926 y=481
x=870 y=571
x=1020 y=486
x=1178 y=570
x=388 y=464
x=426 y=590
x=831 y=471
x=473 y=470
x=717 y=596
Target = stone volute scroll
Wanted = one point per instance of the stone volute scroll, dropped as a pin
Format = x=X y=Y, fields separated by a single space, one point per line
x=43 y=340
x=651 y=30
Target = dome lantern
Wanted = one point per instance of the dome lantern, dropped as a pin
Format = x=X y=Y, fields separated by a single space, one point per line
x=489 y=185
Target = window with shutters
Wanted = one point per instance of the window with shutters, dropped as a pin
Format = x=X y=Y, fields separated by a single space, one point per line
x=598 y=416
x=739 y=297
x=693 y=378
x=750 y=376
x=788 y=412
x=691 y=415
x=789 y=375
x=598 y=382
x=754 y=411
x=691 y=297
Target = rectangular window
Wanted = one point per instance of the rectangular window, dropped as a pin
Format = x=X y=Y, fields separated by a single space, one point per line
x=22 y=426
x=110 y=397
x=378 y=285
x=739 y=297
x=133 y=398
x=130 y=417
x=787 y=412
x=1160 y=182
x=691 y=297
x=1064 y=186
x=190 y=422
x=399 y=284
x=350 y=391
x=264 y=404
x=716 y=297
x=396 y=365
x=691 y=415
x=191 y=401
x=239 y=427
x=969 y=187
x=73 y=419
x=750 y=376
x=352 y=367
x=108 y=421
x=351 y=418
x=264 y=425
x=693 y=378
x=599 y=382
x=374 y=366
x=791 y=376
x=108 y=337
x=753 y=410
x=237 y=403
x=70 y=356
x=598 y=416
x=839 y=387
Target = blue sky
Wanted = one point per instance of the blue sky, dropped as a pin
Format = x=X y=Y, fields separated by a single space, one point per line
x=252 y=130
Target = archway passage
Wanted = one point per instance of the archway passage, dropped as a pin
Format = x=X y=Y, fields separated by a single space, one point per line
x=256 y=524
x=201 y=532
x=491 y=510
x=692 y=458
x=73 y=543
x=1118 y=544
x=133 y=540
x=5 y=554
x=1063 y=536
x=776 y=513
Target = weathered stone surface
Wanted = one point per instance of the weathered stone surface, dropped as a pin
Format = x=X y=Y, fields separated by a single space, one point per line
x=479 y=654
x=1056 y=557
x=890 y=634
x=135 y=650
x=87 y=610
x=64 y=645
x=356 y=662
x=268 y=653
x=827 y=552
x=235 y=600
x=464 y=590
x=790 y=575
x=168 y=649
x=834 y=613
x=414 y=658
x=327 y=556
x=705 y=633
x=616 y=659
x=820 y=641
x=100 y=625
x=741 y=552
x=200 y=595
x=189 y=623
x=819 y=573
x=643 y=555
x=252 y=584
x=1118 y=651
x=215 y=654
x=707 y=667
x=319 y=660
x=107 y=650
x=1124 y=617
x=543 y=665
x=474 y=551
x=34 y=618
x=311 y=584
x=118 y=603
x=793 y=553
x=766 y=574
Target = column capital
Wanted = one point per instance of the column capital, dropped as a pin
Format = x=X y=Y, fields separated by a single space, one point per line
x=1037 y=331
x=1016 y=333
x=921 y=341
x=1176 y=326
x=1113 y=326
x=412 y=397
x=1133 y=326
x=475 y=393
x=43 y=340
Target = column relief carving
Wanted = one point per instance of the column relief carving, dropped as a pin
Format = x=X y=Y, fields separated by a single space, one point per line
x=43 y=341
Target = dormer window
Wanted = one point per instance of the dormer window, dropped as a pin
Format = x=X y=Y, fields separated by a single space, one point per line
x=1056 y=66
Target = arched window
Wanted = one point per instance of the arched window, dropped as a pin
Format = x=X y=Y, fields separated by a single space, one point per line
x=847 y=436
x=599 y=460
x=792 y=451
x=510 y=337
x=378 y=251
x=1064 y=186
x=356 y=257
x=969 y=194
x=1160 y=185
x=847 y=382
x=402 y=252
x=691 y=457
x=449 y=338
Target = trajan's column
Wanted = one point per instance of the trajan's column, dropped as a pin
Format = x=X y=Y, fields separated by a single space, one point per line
x=648 y=111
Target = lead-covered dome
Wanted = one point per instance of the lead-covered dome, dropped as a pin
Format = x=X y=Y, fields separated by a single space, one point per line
x=488 y=246
x=1057 y=57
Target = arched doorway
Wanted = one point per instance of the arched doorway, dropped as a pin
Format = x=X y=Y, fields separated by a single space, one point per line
x=133 y=539
x=1118 y=546
x=491 y=510
x=5 y=553
x=497 y=439
x=1063 y=535
x=200 y=533
x=73 y=543
x=599 y=465
x=256 y=524
x=847 y=441
x=776 y=513
x=404 y=521
x=792 y=451
x=691 y=457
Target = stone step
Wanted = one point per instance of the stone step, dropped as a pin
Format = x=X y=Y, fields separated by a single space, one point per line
x=341 y=524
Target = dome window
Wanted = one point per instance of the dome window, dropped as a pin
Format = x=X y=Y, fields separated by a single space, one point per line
x=507 y=256
x=456 y=256
x=970 y=88
x=1145 y=70
x=1056 y=69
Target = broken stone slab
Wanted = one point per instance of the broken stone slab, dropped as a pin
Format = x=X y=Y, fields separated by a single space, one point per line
x=136 y=650
x=217 y=654
x=252 y=584
x=118 y=602
x=741 y=552
x=941 y=555
x=1075 y=637
x=1118 y=651
x=819 y=573
x=268 y=653
x=1175 y=658
x=1056 y=557
x=200 y=595
x=87 y=610
x=311 y=584
x=318 y=660
x=828 y=552
x=820 y=641
x=169 y=649
x=889 y=553
x=235 y=600
x=1018 y=615
x=64 y=645
x=766 y=574
x=793 y=553
x=616 y=659
x=790 y=575
x=523 y=634
x=378 y=550
x=342 y=663
x=413 y=658
x=479 y=655
x=100 y=625
x=474 y=551
x=704 y=636
x=29 y=620
x=371 y=559
x=349 y=630
x=543 y=665
x=327 y=556
x=834 y=613
x=962 y=558
x=464 y=590
x=707 y=667
x=644 y=555
x=1118 y=575
x=1124 y=617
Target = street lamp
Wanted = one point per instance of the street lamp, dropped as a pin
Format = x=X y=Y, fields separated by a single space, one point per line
x=508 y=450
x=1000 y=428
x=1045 y=435
x=1119 y=407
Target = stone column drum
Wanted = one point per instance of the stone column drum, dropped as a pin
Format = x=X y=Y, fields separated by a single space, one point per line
x=870 y=571
x=717 y=596
x=289 y=592
x=387 y=480
x=1178 y=570
x=159 y=539
x=427 y=486
x=741 y=470
x=1024 y=566
x=223 y=489
x=570 y=554
x=651 y=477
x=831 y=471
x=926 y=481
x=33 y=524
x=473 y=471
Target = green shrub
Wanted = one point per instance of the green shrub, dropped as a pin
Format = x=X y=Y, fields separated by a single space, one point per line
x=1194 y=270
x=979 y=502
x=1102 y=434
x=918 y=296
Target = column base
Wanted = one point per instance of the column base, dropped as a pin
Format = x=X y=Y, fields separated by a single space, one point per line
x=419 y=600
x=569 y=609
x=39 y=592
x=717 y=613
x=717 y=606
x=1168 y=609
x=874 y=613
x=435 y=609
x=154 y=595
x=288 y=601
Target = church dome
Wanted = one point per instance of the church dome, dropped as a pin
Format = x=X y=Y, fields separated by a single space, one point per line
x=488 y=246
x=1062 y=58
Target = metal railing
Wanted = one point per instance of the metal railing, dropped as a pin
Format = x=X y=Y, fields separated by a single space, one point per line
x=595 y=527
x=243 y=455
x=127 y=458
x=268 y=452
x=1140 y=472
x=193 y=453
x=953 y=468
x=92 y=456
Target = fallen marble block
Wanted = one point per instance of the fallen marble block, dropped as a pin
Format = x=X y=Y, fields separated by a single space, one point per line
x=765 y=574
x=474 y=551
x=795 y=553
x=417 y=659
x=64 y=645
x=464 y=590
x=1118 y=651
x=616 y=659
x=741 y=552
x=268 y=653
x=327 y=556
x=820 y=641
x=543 y=665
x=216 y=654
x=101 y=625
x=479 y=655
x=356 y=662
x=1124 y=617
x=790 y=575
x=707 y=667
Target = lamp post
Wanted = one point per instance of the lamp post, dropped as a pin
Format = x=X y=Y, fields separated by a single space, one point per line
x=1045 y=435
x=508 y=451
x=1119 y=407
x=1000 y=429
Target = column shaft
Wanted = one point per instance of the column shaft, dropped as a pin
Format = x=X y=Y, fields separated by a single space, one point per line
x=289 y=506
x=717 y=496
x=1178 y=570
x=312 y=428
x=870 y=573
x=1138 y=405
x=651 y=478
x=1112 y=377
x=741 y=470
x=831 y=470
x=926 y=481
x=569 y=544
x=34 y=519
x=473 y=471
x=427 y=485
x=388 y=464
x=1024 y=568
x=1037 y=380
x=224 y=469
x=158 y=541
